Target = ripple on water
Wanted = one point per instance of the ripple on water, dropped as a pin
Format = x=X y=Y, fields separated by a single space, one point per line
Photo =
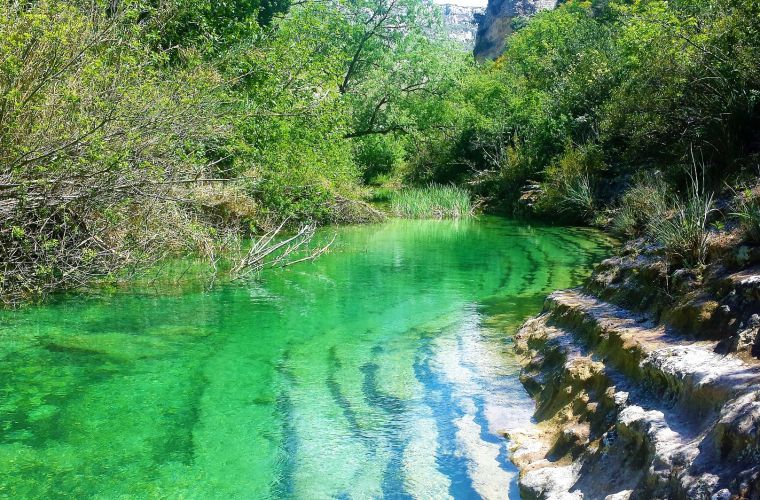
x=384 y=369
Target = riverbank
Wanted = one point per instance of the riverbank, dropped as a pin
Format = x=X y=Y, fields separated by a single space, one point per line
x=646 y=381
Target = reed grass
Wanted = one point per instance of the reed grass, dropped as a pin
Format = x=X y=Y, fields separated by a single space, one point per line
x=431 y=202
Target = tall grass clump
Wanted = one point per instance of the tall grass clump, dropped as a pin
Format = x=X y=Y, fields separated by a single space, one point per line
x=683 y=233
x=431 y=202
x=679 y=224
x=684 y=228
x=579 y=197
x=747 y=211
x=568 y=187
x=646 y=199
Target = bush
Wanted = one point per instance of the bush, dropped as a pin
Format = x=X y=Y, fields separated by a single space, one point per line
x=99 y=148
x=509 y=170
x=568 y=187
x=683 y=229
x=747 y=210
x=377 y=156
x=645 y=199
x=431 y=202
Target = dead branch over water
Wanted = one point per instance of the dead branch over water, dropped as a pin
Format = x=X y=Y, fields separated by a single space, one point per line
x=268 y=252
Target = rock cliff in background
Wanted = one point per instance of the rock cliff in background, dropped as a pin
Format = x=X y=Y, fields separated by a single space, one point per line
x=459 y=22
x=496 y=24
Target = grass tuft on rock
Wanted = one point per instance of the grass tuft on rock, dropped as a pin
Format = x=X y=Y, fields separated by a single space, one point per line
x=747 y=211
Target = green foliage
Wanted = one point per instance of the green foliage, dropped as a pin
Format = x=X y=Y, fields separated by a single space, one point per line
x=513 y=114
x=642 y=84
x=747 y=211
x=431 y=202
x=133 y=130
x=509 y=170
x=337 y=94
x=207 y=25
x=647 y=198
x=679 y=224
x=94 y=131
x=684 y=230
x=567 y=187
x=378 y=156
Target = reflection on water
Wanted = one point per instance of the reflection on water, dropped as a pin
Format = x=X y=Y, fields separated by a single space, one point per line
x=383 y=369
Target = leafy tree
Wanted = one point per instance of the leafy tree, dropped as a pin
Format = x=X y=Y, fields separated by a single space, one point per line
x=644 y=84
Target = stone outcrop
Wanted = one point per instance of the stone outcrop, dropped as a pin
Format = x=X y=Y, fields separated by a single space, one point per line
x=459 y=23
x=644 y=387
x=723 y=304
x=496 y=23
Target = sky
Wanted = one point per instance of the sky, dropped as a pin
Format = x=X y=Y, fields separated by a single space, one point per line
x=464 y=3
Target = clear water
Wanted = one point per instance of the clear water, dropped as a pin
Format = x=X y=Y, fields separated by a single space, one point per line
x=383 y=369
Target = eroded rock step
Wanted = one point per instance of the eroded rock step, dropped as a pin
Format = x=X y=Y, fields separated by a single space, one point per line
x=628 y=408
x=689 y=372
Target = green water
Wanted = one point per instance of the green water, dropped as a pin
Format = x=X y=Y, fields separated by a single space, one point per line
x=383 y=369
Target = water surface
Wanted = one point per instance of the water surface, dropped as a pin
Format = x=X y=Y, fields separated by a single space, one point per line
x=384 y=369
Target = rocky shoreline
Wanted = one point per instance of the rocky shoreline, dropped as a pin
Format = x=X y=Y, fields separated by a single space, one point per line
x=646 y=386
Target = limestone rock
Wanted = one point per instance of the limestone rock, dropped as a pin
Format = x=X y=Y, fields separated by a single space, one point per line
x=629 y=408
x=495 y=24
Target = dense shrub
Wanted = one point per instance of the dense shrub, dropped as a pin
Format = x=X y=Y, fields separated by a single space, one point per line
x=645 y=199
x=747 y=211
x=130 y=131
x=378 y=156
x=568 y=185
x=97 y=144
x=508 y=170
x=640 y=84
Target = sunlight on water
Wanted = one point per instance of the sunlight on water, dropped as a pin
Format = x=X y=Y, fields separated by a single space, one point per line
x=384 y=369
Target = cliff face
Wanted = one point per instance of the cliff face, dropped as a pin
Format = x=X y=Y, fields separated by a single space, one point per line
x=496 y=24
x=459 y=22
